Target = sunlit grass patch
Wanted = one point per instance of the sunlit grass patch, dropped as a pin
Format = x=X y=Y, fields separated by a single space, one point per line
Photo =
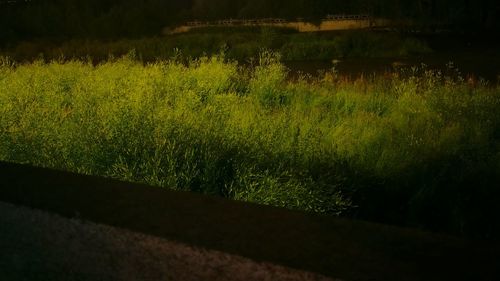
x=395 y=145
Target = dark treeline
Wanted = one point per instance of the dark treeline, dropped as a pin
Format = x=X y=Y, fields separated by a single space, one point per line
x=26 y=19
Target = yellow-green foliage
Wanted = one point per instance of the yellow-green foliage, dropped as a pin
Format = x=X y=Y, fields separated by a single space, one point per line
x=250 y=134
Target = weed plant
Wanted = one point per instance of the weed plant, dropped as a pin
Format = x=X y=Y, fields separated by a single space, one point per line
x=414 y=148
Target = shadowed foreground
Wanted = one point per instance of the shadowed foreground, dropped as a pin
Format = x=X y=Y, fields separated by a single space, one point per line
x=41 y=246
x=349 y=250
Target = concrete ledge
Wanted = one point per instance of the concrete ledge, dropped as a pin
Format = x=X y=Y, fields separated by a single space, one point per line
x=338 y=248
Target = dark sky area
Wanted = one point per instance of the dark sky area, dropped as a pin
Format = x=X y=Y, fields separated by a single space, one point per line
x=22 y=19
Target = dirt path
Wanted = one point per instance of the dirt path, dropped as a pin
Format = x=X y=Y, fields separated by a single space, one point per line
x=36 y=245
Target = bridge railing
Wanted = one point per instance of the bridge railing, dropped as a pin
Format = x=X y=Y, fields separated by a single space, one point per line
x=230 y=22
x=347 y=17
x=234 y=22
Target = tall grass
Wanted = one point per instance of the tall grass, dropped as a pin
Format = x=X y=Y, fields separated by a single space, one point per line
x=414 y=148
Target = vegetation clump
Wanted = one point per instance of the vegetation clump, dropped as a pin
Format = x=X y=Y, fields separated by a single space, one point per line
x=414 y=147
x=239 y=44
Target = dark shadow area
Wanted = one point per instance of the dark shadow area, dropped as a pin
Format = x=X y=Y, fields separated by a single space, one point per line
x=350 y=250
x=24 y=19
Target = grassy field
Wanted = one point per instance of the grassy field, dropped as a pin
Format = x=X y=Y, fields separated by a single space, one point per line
x=416 y=147
x=237 y=43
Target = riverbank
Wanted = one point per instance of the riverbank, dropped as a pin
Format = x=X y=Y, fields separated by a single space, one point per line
x=351 y=54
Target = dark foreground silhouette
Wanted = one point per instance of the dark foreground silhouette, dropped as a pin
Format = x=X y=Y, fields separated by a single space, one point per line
x=39 y=245
x=349 y=250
